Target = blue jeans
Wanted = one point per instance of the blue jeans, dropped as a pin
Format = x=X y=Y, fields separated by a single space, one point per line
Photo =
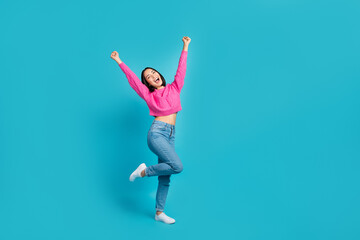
x=161 y=141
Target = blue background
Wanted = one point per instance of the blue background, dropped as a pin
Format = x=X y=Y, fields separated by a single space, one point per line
x=269 y=134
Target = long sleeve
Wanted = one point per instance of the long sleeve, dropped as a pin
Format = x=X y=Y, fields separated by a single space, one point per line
x=178 y=83
x=134 y=81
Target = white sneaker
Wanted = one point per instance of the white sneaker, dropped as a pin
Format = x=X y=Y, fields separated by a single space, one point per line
x=137 y=172
x=164 y=218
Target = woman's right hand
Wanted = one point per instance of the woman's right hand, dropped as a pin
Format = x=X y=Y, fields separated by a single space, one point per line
x=115 y=56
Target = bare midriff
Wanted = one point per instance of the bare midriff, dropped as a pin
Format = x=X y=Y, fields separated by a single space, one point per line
x=171 y=119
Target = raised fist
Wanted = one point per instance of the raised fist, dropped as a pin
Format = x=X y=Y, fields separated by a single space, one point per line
x=186 y=40
x=115 y=56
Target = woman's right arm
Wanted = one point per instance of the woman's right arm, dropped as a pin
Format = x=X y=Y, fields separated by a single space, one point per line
x=133 y=80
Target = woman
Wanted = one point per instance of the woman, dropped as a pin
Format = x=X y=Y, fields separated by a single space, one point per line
x=163 y=101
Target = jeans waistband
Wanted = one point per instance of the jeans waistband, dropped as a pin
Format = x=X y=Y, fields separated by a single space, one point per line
x=161 y=123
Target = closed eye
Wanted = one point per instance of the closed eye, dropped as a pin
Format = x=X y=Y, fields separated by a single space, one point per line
x=148 y=75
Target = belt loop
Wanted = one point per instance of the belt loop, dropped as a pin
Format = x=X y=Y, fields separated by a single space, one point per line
x=170 y=131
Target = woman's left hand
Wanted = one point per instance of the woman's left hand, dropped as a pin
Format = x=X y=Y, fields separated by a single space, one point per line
x=186 y=40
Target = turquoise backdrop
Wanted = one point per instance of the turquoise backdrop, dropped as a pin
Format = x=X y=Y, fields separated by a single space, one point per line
x=269 y=134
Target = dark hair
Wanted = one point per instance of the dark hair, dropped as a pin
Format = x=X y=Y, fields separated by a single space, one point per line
x=143 y=79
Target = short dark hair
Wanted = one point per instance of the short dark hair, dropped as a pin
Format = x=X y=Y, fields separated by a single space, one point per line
x=143 y=79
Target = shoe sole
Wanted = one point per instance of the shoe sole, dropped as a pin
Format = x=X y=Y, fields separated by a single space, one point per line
x=164 y=222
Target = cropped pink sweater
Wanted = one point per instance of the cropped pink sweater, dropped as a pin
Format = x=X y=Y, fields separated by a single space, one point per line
x=166 y=100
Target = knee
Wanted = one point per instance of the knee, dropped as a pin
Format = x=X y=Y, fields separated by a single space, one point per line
x=177 y=167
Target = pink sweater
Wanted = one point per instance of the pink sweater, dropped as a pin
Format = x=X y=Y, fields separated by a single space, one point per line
x=164 y=101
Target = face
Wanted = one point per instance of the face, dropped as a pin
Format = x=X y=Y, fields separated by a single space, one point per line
x=153 y=78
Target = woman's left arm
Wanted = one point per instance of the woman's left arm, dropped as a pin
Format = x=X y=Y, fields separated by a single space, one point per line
x=186 y=41
x=181 y=70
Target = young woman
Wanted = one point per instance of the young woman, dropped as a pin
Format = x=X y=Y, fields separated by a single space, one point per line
x=163 y=101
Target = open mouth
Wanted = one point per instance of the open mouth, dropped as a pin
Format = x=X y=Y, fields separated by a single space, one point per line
x=157 y=80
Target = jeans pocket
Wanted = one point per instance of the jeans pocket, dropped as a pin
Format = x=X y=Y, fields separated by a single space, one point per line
x=154 y=136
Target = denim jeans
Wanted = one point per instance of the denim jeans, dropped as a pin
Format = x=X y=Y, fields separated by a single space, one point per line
x=161 y=141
